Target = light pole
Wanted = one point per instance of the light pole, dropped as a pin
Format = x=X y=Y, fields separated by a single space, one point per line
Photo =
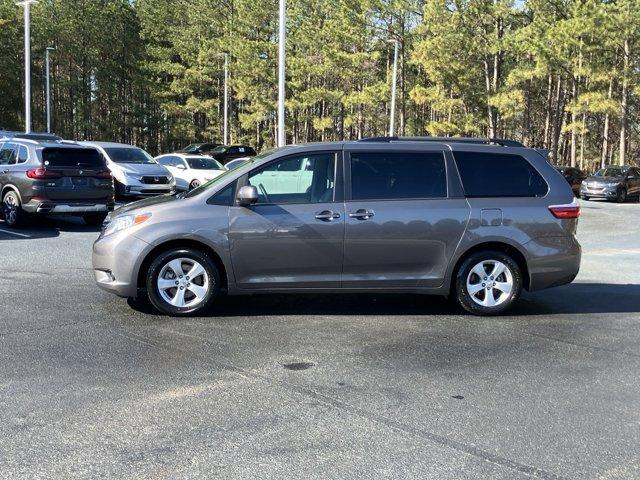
x=392 y=113
x=46 y=54
x=226 y=98
x=27 y=62
x=281 y=74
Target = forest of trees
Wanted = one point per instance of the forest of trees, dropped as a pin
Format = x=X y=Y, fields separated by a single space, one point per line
x=555 y=74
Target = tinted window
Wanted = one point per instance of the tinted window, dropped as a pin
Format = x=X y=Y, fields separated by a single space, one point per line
x=201 y=163
x=23 y=154
x=498 y=175
x=72 y=157
x=279 y=182
x=224 y=196
x=397 y=175
x=8 y=154
x=128 y=155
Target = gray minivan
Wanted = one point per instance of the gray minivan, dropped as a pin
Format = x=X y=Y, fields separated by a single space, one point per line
x=475 y=219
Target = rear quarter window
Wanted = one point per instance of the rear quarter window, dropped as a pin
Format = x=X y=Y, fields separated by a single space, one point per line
x=72 y=157
x=498 y=175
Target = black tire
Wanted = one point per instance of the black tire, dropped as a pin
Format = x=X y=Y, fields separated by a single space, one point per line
x=94 y=219
x=464 y=297
x=622 y=195
x=14 y=215
x=194 y=184
x=119 y=190
x=160 y=264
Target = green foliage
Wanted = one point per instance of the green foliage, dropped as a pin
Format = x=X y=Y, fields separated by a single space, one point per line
x=151 y=71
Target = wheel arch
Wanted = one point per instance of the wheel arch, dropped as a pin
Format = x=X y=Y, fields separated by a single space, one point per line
x=182 y=243
x=497 y=245
x=10 y=187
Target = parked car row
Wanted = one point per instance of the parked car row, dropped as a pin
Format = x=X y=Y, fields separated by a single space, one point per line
x=614 y=182
x=44 y=174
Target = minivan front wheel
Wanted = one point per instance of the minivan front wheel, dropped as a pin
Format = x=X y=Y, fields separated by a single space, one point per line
x=488 y=283
x=182 y=282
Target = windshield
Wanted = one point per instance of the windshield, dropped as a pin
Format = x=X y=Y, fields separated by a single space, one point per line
x=222 y=178
x=192 y=147
x=220 y=149
x=202 y=163
x=129 y=155
x=609 y=172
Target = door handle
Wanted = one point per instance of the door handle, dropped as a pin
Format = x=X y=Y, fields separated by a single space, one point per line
x=5 y=171
x=362 y=214
x=327 y=215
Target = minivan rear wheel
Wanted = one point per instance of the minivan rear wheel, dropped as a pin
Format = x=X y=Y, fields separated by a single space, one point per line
x=182 y=282
x=488 y=283
x=14 y=215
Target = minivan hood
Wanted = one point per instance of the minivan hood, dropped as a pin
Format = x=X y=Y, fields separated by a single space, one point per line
x=144 y=203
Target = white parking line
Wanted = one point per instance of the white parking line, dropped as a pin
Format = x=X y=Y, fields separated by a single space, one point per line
x=14 y=233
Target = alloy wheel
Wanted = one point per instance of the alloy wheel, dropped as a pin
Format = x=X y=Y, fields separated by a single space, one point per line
x=490 y=283
x=183 y=283
x=10 y=209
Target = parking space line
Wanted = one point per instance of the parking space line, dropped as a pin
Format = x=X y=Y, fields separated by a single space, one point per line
x=2 y=230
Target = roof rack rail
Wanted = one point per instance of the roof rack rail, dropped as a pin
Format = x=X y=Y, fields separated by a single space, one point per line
x=481 y=141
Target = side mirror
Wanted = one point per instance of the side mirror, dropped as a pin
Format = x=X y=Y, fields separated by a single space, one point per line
x=181 y=167
x=247 y=195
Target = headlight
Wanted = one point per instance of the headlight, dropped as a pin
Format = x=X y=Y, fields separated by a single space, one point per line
x=123 y=222
x=612 y=184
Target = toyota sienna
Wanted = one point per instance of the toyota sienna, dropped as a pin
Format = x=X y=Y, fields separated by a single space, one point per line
x=478 y=220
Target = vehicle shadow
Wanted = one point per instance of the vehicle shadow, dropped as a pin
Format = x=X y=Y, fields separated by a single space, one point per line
x=575 y=298
x=45 y=227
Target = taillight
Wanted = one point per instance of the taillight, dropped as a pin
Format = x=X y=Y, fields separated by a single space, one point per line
x=39 y=173
x=568 y=210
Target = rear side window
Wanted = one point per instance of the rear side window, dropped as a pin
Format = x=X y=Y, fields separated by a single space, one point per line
x=498 y=175
x=397 y=175
x=72 y=157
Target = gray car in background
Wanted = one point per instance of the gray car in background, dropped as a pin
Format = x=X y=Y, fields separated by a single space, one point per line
x=479 y=220
x=135 y=172
x=612 y=183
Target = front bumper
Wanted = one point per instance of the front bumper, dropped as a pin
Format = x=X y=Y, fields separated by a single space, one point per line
x=146 y=190
x=611 y=192
x=116 y=261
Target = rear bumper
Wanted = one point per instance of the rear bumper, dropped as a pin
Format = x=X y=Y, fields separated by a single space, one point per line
x=553 y=261
x=58 y=207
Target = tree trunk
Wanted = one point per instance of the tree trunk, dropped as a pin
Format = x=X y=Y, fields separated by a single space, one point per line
x=605 y=133
x=624 y=100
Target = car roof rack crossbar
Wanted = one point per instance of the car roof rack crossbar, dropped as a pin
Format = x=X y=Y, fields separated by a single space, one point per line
x=481 y=141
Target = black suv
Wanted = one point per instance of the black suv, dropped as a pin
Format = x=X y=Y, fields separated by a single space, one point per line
x=43 y=175
x=574 y=177
x=199 y=148
x=225 y=154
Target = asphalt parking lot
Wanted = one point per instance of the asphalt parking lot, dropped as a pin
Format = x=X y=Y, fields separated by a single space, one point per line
x=323 y=386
